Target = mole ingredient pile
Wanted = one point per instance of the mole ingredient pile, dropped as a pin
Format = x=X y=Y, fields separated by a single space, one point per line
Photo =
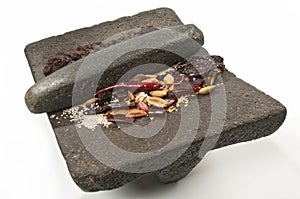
x=148 y=95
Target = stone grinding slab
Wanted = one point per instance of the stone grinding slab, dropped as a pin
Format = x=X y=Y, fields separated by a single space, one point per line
x=250 y=114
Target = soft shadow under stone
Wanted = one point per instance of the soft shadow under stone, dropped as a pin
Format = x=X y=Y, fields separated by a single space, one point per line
x=250 y=114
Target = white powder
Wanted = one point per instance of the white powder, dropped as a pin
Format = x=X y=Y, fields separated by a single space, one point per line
x=76 y=115
x=184 y=100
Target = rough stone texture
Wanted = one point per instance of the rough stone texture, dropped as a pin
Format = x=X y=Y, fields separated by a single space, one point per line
x=55 y=91
x=40 y=51
x=251 y=114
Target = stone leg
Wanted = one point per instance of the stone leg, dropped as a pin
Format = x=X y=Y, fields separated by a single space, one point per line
x=176 y=172
x=181 y=167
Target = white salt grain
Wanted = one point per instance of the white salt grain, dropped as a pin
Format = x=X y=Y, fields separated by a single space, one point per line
x=80 y=119
x=184 y=100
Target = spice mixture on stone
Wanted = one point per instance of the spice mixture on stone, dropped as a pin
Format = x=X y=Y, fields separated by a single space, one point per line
x=151 y=95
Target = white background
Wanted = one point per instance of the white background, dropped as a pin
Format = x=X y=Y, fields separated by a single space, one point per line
x=260 y=43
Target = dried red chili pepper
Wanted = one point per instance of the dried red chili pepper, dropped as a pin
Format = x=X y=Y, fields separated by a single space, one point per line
x=135 y=86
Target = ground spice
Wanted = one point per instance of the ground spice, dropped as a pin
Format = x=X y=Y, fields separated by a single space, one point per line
x=61 y=59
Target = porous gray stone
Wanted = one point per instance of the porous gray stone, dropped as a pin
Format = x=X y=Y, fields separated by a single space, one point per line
x=250 y=114
x=55 y=91
x=44 y=49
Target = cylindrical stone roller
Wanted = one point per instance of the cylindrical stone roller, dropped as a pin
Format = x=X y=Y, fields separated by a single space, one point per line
x=103 y=68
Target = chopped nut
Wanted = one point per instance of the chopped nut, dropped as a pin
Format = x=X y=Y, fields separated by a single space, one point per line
x=171 y=109
x=141 y=96
x=159 y=93
x=130 y=95
x=206 y=90
x=169 y=79
x=136 y=113
x=118 y=112
x=145 y=100
x=158 y=102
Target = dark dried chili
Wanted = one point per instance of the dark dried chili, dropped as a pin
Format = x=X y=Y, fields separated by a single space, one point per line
x=133 y=86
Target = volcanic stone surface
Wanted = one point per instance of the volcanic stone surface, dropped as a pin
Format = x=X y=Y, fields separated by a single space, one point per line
x=82 y=76
x=250 y=114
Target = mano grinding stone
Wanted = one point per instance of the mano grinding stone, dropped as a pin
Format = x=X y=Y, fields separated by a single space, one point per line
x=48 y=95
x=250 y=114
